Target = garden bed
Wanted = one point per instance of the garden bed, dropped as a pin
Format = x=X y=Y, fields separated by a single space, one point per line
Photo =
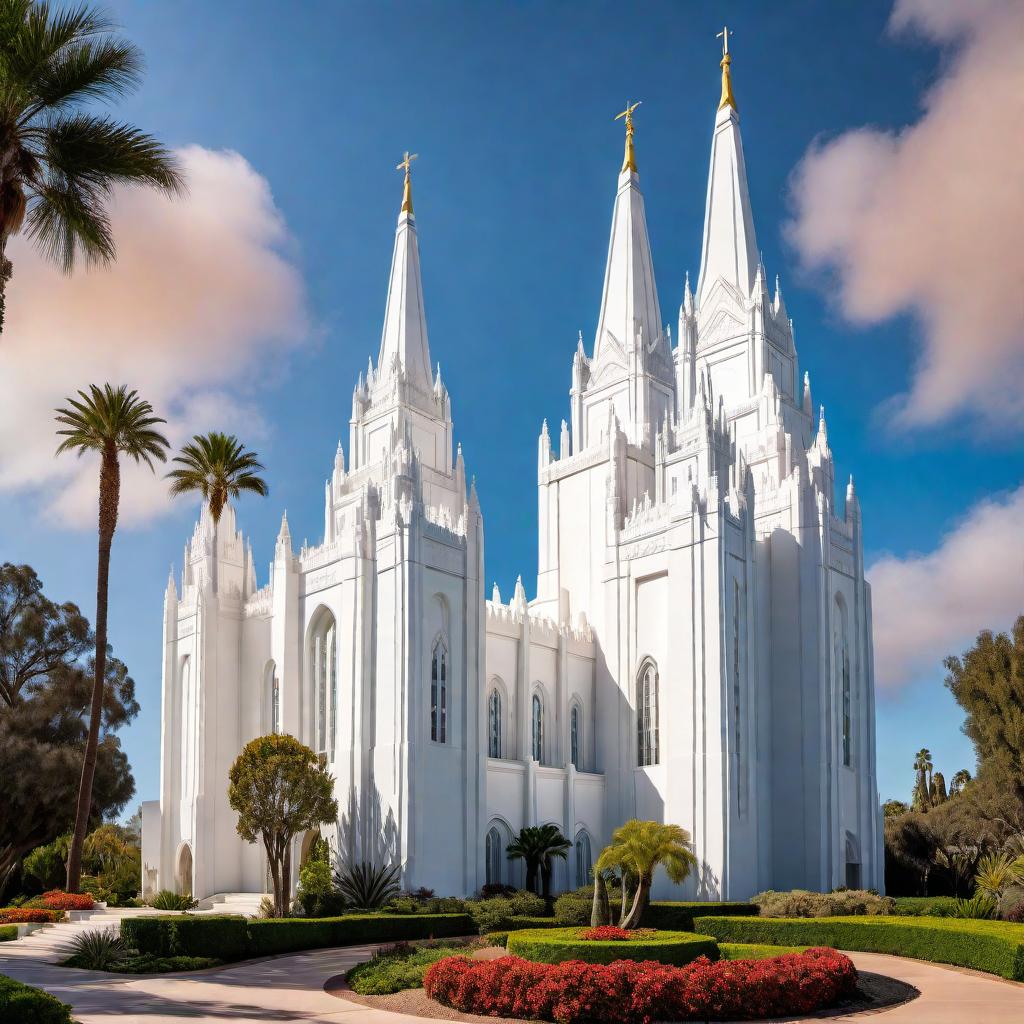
x=24 y=1004
x=996 y=947
x=557 y=945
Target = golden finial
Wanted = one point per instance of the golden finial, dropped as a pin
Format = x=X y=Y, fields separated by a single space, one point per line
x=629 y=161
x=727 y=100
x=405 y=165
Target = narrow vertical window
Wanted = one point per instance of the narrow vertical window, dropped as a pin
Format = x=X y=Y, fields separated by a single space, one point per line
x=647 y=715
x=439 y=693
x=494 y=724
x=538 y=729
x=332 y=674
x=583 y=860
x=320 y=654
x=737 y=728
x=574 y=736
x=492 y=857
x=275 y=702
x=844 y=668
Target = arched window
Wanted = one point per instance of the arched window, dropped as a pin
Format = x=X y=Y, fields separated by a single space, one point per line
x=492 y=856
x=575 y=737
x=844 y=677
x=494 y=724
x=538 y=728
x=439 y=693
x=584 y=863
x=274 y=697
x=647 y=714
x=189 y=745
x=325 y=684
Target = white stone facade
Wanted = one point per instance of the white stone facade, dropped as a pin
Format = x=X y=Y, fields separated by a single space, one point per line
x=699 y=649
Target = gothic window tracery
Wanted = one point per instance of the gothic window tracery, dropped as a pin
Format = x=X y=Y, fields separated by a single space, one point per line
x=324 y=656
x=584 y=859
x=647 y=714
x=492 y=856
x=538 y=729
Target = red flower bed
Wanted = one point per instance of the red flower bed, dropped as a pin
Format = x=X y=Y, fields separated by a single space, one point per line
x=26 y=915
x=627 y=991
x=606 y=933
x=57 y=899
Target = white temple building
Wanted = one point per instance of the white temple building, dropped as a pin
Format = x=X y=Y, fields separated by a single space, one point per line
x=698 y=651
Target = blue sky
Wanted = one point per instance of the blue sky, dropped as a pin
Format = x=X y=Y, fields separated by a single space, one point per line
x=511 y=107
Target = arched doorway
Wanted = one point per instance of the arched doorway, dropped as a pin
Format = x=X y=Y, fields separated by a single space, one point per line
x=307 y=847
x=185 y=870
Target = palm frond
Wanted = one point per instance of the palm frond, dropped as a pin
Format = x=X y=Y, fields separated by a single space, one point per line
x=111 y=416
x=100 y=70
x=67 y=222
x=216 y=466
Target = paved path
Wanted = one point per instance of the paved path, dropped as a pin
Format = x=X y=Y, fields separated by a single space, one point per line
x=290 y=988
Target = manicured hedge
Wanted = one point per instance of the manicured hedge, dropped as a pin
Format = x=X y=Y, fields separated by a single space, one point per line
x=557 y=945
x=926 y=906
x=678 y=915
x=8 y=932
x=993 y=946
x=234 y=938
x=23 y=1004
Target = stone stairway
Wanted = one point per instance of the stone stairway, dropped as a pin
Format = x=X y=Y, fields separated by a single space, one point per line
x=245 y=903
x=53 y=942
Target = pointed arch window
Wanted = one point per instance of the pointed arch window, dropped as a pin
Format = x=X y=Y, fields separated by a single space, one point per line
x=492 y=856
x=538 y=729
x=575 y=737
x=647 y=714
x=325 y=685
x=439 y=693
x=584 y=860
x=494 y=724
x=274 y=695
x=847 y=696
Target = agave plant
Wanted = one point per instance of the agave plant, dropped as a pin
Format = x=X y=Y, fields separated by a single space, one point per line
x=167 y=900
x=97 y=950
x=368 y=886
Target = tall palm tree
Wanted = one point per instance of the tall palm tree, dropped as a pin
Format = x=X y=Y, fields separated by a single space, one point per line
x=537 y=845
x=923 y=786
x=111 y=422
x=218 y=467
x=58 y=163
x=636 y=850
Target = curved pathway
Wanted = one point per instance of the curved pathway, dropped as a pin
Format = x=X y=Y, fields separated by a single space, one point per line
x=290 y=988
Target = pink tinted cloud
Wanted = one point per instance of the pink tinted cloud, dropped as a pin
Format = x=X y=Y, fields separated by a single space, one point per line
x=926 y=606
x=203 y=298
x=929 y=220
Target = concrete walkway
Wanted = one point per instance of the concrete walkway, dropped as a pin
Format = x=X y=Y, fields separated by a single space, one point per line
x=290 y=988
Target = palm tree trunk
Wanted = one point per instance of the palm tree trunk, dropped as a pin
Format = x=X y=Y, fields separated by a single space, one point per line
x=599 y=913
x=6 y=272
x=110 y=493
x=640 y=901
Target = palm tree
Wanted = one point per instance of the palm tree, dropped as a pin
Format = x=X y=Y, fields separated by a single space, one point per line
x=112 y=422
x=58 y=163
x=959 y=781
x=537 y=845
x=218 y=467
x=923 y=786
x=636 y=850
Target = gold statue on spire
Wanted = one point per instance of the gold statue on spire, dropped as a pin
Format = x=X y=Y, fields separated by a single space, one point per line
x=629 y=160
x=406 y=165
x=727 y=100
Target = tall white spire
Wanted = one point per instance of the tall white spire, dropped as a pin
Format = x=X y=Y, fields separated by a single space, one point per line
x=629 y=304
x=404 y=339
x=730 y=249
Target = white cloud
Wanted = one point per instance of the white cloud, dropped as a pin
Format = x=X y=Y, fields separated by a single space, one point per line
x=194 y=313
x=930 y=220
x=926 y=606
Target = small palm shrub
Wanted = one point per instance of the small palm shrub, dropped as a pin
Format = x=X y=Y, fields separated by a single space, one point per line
x=167 y=900
x=998 y=872
x=97 y=950
x=801 y=903
x=980 y=906
x=368 y=886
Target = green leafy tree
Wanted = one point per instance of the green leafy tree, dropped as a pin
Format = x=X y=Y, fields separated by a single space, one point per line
x=280 y=789
x=60 y=162
x=219 y=468
x=536 y=845
x=958 y=783
x=938 y=790
x=894 y=808
x=46 y=684
x=636 y=851
x=911 y=842
x=47 y=864
x=110 y=422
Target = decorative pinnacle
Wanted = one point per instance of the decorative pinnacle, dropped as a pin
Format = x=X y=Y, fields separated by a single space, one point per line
x=629 y=160
x=406 y=166
x=727 y=100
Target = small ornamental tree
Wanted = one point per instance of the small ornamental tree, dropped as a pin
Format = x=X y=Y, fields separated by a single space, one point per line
x=280 y=789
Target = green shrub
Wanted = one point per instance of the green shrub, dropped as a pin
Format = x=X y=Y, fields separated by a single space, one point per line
x=496 y=913
x=23 y=1004
x=573 y=908
x=391 y=972
x=556 y=945
x=167 y=900
x=164 y=964
x=979 y=907
x=444 y=905
x=224 y=936
x=993 y=946
x=316 y=884
x=96 y=950
x=678 y=915
x=749 y=951
x=802 y=903
x=8 y=932
x=926 y=906
x=368 y=886
x=403 y=905
x=48 y=864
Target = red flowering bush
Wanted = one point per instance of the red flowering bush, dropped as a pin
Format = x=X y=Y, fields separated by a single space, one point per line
x=27 y=915
x=627 y=991
x=57 y=899
x=606 y=933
